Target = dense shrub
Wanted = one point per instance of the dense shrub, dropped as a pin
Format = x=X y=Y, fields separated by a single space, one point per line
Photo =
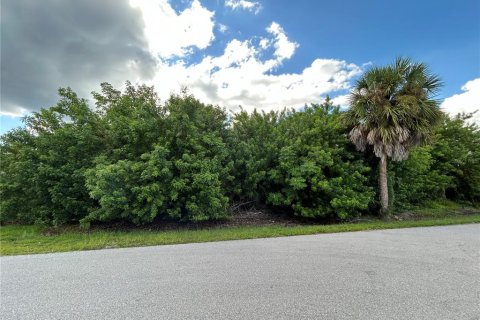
x=132 y=120
x=317 y=176
x=128 y=190
x=447 y=168
x=254 y=148
x=456 y=154
x=417 y=179
x=134 y=159
x=182 y=178
x=17 y=171
x=43 y=165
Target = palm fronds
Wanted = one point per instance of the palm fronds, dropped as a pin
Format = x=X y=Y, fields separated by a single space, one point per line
x=392 y=108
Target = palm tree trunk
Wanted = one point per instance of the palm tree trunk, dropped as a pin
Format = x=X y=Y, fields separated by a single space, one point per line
x=383 y=185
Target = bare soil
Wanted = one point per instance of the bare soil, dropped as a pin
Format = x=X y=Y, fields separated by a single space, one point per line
x=240 y=215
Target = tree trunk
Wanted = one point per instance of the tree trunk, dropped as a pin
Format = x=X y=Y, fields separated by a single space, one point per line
x=383 y=185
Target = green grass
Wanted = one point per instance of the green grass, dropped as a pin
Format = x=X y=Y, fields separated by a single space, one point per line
x=16 y=240
x=440 y=209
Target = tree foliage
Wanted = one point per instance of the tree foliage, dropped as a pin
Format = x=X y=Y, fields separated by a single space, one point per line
x=456 y=154
x=43 y=165
x=254 y=147
x=178 y=171
x=317 y=176
x=133 y=158
x=447 y=168
x=393 y=109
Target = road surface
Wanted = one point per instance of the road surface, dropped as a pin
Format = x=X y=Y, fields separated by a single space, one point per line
x=420 y=273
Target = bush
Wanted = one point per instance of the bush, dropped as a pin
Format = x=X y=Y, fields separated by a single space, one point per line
x=417 y=179
x=43 y=165
x=134 y=159
x=317 y=175
x=456 y=154
x=18 y=168
x=135 y=191
x=182 y=178
x=447 y=168
x=254 y=149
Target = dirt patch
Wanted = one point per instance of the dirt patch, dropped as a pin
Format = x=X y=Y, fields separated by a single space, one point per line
x=405 y=216
x=467 y=211
x=244 y=214
x=239 y=216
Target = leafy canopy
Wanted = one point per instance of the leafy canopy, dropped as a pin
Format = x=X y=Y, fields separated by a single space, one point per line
x=393 y=109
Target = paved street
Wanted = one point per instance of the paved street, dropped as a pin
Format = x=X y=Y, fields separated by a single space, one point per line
x=420 y=273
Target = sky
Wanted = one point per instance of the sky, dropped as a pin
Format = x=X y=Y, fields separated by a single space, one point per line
x=265 y=54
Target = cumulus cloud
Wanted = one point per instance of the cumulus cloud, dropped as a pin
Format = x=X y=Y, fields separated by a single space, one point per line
x=171 y=34
x=466 y=102
x=252 y=6
x=222 y=28
x=284 y=48
x=242 y=76
x=50 y=44
x=341 y=100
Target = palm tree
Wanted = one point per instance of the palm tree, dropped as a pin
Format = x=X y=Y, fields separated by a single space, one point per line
x=392 y=109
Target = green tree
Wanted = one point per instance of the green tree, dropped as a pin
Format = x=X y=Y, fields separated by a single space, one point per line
x=391 y=110
x=133 y=120
x=254 y=149
x=456 y=153
x=418 y=179
x=182 y=172
x=317 y=175
x=43 y=165
x=195 y=135
x=127 y=190
x=18 y=165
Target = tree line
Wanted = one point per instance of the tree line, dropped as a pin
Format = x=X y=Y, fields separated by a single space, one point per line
x=136 y=159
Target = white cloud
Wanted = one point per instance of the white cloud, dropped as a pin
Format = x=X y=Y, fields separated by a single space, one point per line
x=466 y=102
x=148 y=41
x=252 y=6
x=264 y=43
x=170 y=34
x=284 y=48
x=222 y=28
x=243 y=76
x=341 y=101
x=13 y=111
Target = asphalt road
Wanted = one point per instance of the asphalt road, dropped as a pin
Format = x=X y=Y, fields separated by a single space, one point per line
x=421 y=273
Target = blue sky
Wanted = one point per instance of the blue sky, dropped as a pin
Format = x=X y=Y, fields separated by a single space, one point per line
x=259 y=54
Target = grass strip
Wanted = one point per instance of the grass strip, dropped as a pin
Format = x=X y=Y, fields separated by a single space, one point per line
x=18 y=240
